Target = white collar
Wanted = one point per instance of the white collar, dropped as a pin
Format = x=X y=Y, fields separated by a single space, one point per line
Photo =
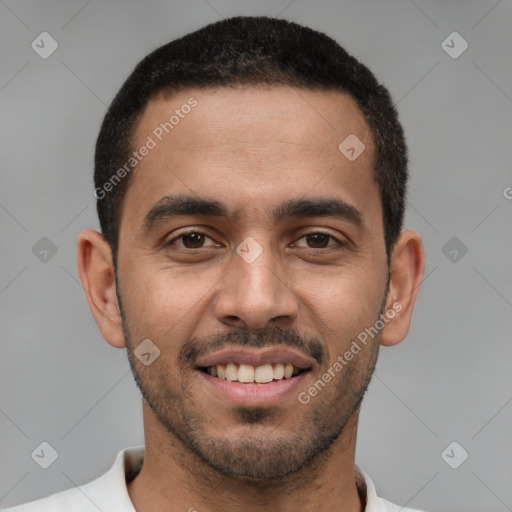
x=129 y=462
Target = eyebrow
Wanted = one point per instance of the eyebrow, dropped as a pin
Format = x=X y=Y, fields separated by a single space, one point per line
x=169 y=207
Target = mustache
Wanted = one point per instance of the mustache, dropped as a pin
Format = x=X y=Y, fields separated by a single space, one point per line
x=271 y=336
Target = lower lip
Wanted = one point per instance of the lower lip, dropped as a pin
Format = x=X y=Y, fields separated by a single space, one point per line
x=253 y=394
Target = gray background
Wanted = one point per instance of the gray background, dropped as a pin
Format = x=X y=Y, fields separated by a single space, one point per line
x=449 y=381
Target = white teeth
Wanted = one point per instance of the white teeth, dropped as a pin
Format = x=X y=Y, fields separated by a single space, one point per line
x=247 y=373
x=262 y=374
x=231 y=372
x=278 y=371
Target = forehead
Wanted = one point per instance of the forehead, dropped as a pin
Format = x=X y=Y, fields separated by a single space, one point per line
x=229 y=115
x=252 y=144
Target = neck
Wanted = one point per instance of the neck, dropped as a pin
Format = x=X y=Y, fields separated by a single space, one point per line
x=173 y=479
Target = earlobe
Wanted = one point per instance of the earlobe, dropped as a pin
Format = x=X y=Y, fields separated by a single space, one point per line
x=96 y=270
x=407 y=267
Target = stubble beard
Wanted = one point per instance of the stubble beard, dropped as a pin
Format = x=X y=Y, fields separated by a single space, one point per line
x=261 y=451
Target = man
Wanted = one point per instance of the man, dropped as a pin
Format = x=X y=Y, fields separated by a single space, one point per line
x=250 y=182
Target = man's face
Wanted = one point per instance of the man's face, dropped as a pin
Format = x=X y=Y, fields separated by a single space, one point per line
x=272 y=281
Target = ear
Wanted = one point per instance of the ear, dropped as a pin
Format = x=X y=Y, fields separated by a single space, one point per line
x=96 y=270
x=407 y=267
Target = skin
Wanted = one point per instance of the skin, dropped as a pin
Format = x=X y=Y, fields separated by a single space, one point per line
x=251 y=149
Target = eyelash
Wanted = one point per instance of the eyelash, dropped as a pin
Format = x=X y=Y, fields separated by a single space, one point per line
x=339 y=244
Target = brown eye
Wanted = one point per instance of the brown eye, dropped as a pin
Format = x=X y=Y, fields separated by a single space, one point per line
x=192 y=240
x=318 y=241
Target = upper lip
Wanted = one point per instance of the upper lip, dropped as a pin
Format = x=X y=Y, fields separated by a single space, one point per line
x=256 y=357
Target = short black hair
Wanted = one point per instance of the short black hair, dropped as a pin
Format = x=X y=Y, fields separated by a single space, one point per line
x=249 y=51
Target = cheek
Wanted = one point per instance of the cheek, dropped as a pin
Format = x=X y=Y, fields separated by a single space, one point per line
x=342 y=304
x=162 y=302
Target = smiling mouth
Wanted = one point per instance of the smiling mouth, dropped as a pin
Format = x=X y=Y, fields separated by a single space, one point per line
x=249 y=374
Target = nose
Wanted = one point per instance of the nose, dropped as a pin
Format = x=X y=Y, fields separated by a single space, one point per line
x=253 y=295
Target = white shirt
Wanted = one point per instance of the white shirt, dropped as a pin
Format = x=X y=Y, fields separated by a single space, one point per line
x=110 y=494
